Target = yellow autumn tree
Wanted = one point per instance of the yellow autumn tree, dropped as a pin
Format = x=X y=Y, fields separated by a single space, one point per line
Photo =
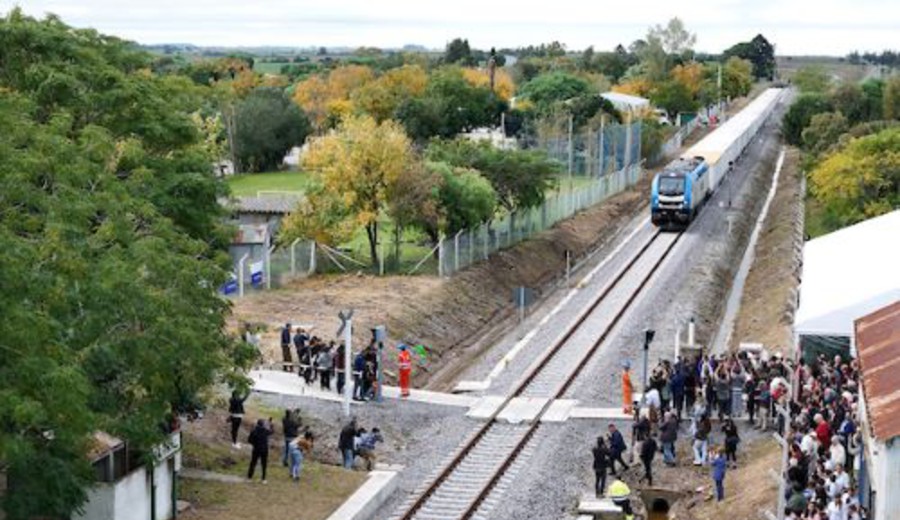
x=353 y=169
x=342 y=81
x=860 y=181
x=312 y=96
x=504 y=86
x=690 y=75
x=635 y=87
x=381 y=97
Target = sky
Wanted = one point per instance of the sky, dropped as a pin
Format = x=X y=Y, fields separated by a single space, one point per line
x=819 y=27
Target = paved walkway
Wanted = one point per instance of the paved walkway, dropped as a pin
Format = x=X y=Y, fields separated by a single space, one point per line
x=199 y=474
x=289 y=383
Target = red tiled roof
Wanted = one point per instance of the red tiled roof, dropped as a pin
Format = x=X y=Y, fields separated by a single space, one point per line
x=878 y=344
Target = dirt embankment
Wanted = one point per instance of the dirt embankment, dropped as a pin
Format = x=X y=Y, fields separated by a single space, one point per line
x=770 y=294
x=453 y=317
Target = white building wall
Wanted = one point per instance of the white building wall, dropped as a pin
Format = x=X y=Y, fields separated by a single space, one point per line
x=886 y=480
x=133 y=496
x=100 y=505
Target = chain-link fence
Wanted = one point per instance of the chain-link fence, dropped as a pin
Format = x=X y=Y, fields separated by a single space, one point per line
x=595 y=152
x=469 y=246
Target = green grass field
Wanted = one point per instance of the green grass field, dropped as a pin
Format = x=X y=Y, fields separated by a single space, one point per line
x=269 y=68
x=249 y=184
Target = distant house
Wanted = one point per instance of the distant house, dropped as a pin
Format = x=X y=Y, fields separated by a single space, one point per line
x=127 y=488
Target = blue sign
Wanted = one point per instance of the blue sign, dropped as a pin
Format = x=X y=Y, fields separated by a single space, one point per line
x=256 y=273
x=231 y=286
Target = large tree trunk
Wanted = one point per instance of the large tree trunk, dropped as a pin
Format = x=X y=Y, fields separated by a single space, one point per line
x=372 y=232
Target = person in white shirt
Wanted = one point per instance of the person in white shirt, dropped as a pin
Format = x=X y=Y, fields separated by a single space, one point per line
x=837 y=452
x=842 y=478
x=809 y=445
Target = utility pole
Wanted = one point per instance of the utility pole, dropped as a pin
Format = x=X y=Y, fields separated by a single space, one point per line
x=347 y=328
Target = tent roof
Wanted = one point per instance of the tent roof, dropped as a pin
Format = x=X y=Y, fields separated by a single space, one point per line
x=625 y=101
x=878 y=342
x=847 y=274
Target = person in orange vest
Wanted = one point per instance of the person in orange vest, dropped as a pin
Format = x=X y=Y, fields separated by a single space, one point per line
x=627 y=388
x=404 y=363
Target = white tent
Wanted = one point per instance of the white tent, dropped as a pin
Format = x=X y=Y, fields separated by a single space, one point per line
x=846 y=275
x=626 y=102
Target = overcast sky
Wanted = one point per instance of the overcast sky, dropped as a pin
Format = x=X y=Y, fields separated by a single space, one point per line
x=832 y=27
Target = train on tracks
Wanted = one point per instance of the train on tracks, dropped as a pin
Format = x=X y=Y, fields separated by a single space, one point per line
x=681 y=189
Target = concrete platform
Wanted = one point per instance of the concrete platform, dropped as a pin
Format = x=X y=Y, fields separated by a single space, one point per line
x=599 y=508
x=559 y=410
x=290 y=384
x=523 y=409
x=369 y=497
x=472 y=386
x=612 y=414
x=485 y=406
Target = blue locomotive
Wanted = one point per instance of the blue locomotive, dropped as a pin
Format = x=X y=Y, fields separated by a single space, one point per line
x=678 y=192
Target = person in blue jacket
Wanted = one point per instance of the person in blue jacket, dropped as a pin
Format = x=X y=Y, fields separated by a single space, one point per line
x=719 y=465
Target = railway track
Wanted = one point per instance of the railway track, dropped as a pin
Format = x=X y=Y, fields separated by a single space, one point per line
x=463 y=487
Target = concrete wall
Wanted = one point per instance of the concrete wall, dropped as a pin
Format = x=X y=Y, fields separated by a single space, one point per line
x=101 y=503
x=883 y=465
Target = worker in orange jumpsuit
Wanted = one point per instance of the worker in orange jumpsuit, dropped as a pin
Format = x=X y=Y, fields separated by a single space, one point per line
x=627 y=388
x=404 y=363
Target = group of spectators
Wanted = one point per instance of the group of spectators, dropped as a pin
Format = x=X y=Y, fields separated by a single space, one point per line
x=358 y=442
x=817 y=420
x=318 y=360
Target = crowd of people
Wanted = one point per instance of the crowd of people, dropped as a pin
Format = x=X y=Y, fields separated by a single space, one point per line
x=298 y=441
x=324 y=362
x=816 y=419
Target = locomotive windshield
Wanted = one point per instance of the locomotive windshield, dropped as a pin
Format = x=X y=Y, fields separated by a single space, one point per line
x=671 y=185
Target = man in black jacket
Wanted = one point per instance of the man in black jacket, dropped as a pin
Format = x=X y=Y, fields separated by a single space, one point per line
x=286 y=346
x=601 y=463
x=617 y=447
x=668 y=435
x=259 y=439
x=291 y=426
x=236 y=415
x=346 y=443
x=648 y=452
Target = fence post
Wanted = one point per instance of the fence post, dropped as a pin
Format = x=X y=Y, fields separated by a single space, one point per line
x=440 y=256
x=269 y=267
x=312 y=258
x=456 y=251
x=241 y=274
x=487 y=236
x=294 y=257
x=602 y=149
x=571 y=146
x=627 y=142
x=381 y=259
x=471 y=247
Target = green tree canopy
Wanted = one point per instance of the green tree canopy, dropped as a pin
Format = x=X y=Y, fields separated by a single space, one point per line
x=547 y=90
x=811 y=78
x=109 y=236
x=458 y=52
x=675 y=97
x=450 y=105
x=759 y=52
x=860 y=181
x=823 y=131
x=267 y=125
x=800 y=114
x=520 y=178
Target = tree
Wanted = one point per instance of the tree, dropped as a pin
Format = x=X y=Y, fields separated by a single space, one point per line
x=891 y=95
x=547 y=90
x=800 y=114
x=759 y=52
x=458 y=53
x=737 y=77
x=327 y=100
x=675 y=39
x=267 y=125
x=110 y=246
x=848 y=99
x=691 y=76
x=467 y=199
x=823 y=131
x=355 y=168
x=520 y=178
x=873 y=94
x=675 y=97
x=504 y=88
x=811 y=78
x=450 y=105
x=413 y=201
x=382 y=97
x=861 y=181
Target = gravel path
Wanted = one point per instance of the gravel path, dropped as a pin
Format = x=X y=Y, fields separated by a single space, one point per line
x=692 y=283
